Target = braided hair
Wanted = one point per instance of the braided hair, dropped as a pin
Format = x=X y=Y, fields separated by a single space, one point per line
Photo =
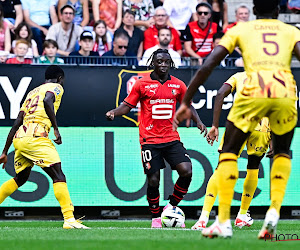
x=153 y=57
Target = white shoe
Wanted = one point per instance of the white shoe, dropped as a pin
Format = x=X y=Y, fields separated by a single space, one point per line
x=217 y=229
x=77 y=224
x=243 y=220
x=200 y=224
x=269 y=227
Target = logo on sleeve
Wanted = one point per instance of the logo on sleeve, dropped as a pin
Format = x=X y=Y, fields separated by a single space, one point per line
x=57 y=91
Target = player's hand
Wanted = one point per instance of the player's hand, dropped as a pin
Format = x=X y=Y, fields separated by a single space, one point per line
x=181 y=114
x=3 y=159
x=110 y=115
x=58 y=137
x=202 y=128
x=213 y=135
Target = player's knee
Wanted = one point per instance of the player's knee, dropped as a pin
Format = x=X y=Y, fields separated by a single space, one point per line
x=185 y=170
x=153 y=182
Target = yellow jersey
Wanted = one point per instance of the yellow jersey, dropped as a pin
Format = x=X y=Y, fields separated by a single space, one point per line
x=36 y=122
x=267 y=46
x=236 y=82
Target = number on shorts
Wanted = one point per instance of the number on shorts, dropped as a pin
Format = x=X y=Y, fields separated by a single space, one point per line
x=146 y=155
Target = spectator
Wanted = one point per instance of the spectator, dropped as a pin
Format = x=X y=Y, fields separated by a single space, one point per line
x=119 y=54
x=242 y=14
x=136 y=36
x=151 y=34
x=13 y=12
x=180 y=12
x=39 y=14
x=234 y=59
x=103 y=40
x=81 y=7
x=143 y=9
x=199 y=34
x=164 y=38
x=219 y=12
x=20 y=52
x=23 y=31
x=65 y=33
x=5 y=40
x=50 y=51
x=86 y=43
x=110 y=11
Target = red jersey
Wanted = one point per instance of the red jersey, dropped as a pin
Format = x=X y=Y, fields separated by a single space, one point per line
x=16 y=61
x=158 y=106
x=229 y=27
x=195 y=34
x=151 y=38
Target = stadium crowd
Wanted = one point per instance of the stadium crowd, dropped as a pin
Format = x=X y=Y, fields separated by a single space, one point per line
x=114 y=32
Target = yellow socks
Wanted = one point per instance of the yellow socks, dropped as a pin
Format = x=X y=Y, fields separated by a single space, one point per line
x=280 y=173
x=62 y=195
x=227 y=176
x=250 y=185
x=210 y=195
x=7 y=189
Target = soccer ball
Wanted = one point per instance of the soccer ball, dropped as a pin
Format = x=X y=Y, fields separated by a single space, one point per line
x=172 y=217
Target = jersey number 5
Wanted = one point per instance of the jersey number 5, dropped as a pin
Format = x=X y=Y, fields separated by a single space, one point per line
x=267 y=39
x=162 y=111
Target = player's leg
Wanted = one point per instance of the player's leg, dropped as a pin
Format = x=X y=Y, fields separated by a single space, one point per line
x=153 y=193
x=209 y=200
x=227 y=177
x=250 y=184
x=13 y=184
x=280 y=173
x=62 y=195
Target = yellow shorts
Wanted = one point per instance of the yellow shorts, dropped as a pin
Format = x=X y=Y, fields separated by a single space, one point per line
x=257 y=143
x=31 y=151
x=247 y=112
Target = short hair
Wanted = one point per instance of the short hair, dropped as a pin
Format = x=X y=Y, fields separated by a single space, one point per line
x=22 y=41
x=53 y=72
x=242 y=6
x=153 y=57
x=129 y=11
x=164 y=28
x=67 y=6
x=218 y=35
x=204 y=4
x=160 y=8
x=49 y=42
x=120 y=34
x=266 y=6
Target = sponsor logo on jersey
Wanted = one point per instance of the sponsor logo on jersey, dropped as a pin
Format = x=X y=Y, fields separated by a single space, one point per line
x=161 y=101
x=149 y=127
x=151 y=86
x=153 y=91
x=57 y=91
x=170 y=85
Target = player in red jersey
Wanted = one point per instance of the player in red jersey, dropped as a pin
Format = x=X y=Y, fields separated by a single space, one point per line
x=158 y=94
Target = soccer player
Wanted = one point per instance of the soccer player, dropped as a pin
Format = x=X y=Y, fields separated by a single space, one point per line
x=267 y=46
x=158 y=93
x=257 y=145
x=29 y=134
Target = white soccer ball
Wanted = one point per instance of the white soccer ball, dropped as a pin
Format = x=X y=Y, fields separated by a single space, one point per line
x=172 y=217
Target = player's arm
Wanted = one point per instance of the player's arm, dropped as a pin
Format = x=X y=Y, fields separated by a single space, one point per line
x=213 y=133
x=200 y=125
x=297 y=50
x=121 y=110
x=49 y=109
x=18 y=122
x=199 y=78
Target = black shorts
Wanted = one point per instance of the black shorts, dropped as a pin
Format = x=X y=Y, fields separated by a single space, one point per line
x=153 y=156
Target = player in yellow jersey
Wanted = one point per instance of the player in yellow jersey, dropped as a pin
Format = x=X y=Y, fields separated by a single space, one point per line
x=257 y=145
x=267 y=46
x=29 y=134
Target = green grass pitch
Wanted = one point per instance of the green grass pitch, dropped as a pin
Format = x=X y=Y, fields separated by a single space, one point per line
x=133 y=234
